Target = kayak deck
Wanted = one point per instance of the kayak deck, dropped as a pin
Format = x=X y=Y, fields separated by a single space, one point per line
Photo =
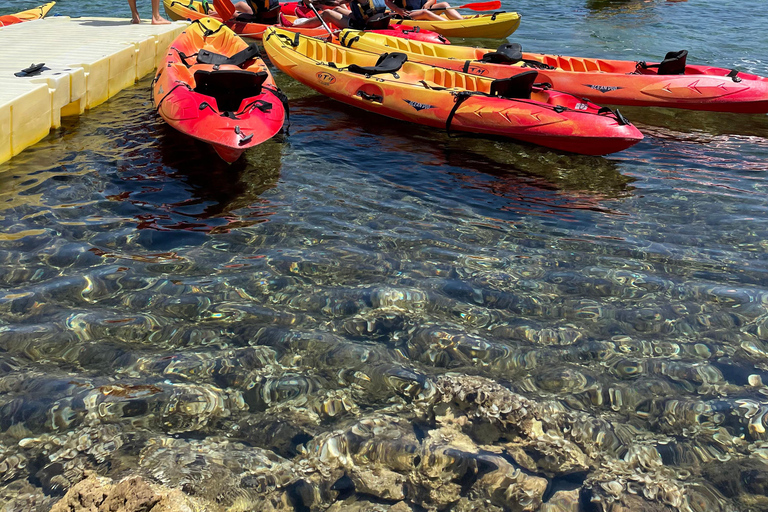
x=390 y=85
x=616 y=82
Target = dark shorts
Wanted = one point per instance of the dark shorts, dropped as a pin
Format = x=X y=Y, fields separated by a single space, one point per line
x=415 y=5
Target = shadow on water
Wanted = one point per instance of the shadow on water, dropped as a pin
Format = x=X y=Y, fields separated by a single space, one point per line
x=617 y=5
x=136 y=167
x=511 y=166
x=672 y=121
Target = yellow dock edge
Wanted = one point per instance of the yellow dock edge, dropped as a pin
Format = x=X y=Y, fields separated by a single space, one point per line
x=88 y=61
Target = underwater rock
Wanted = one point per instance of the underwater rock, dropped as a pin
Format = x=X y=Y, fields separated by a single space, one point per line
x=21 y=496
x=563 y=501
x=379 y=482
x=229 y=471
x=744 y=480
x=133 y=494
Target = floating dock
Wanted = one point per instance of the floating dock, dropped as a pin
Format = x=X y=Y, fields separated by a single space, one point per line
x=87 y=61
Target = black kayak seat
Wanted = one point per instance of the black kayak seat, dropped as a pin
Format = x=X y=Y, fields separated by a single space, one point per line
x=673 y=63
x=387 y=63
x=229 y=86
x=509 y=53
x=238 y=59
x=515 y=87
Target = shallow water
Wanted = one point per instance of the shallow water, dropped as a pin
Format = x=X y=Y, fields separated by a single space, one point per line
x=341 y=302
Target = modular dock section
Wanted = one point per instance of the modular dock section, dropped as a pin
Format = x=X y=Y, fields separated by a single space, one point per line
x=87 y=61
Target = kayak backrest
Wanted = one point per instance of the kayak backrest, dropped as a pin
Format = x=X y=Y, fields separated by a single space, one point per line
x=229 y=87
x=509 y=53
x=515 y=87
x=387 y=63
x=238 y=59
x=673 y=63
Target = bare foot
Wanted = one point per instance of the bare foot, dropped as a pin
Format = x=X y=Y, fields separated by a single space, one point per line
x=135 y=20
x=160 y=21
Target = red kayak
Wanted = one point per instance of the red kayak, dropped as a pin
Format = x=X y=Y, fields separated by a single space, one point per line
x=214 y=87
x=395 y=30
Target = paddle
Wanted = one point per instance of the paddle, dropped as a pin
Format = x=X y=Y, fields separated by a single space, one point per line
x=476 y=6
x=224 y=8
x=325 y=26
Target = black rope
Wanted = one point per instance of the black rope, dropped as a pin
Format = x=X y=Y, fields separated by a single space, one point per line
x=460 y=97
x=351 y=41
x=183 y=57
x=284 y=100
x=207 y=32
x=262 y=105
x=294 y=42
x=159 y=103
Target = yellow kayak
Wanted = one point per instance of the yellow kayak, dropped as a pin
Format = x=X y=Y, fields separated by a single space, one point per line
x=28 y=15
x=177 y=9
x=498 y=25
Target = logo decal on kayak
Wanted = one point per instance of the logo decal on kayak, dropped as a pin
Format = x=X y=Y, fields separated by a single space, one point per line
x=603 y=88
x=475 y=70
x=325 y=78
x=418 y=106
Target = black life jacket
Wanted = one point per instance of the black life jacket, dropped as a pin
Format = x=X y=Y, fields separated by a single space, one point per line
x=410 y=5
x=363 y=10
x=263 y=7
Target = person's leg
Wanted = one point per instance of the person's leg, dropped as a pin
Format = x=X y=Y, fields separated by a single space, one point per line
x=335 y=17
x=156 y=18
x=423 y=14
x=134 y=12
x=304 y=23
x=243 y=7
x=331 y=17
x=451 y=13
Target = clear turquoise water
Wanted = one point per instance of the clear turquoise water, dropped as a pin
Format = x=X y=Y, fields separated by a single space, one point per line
x=631 y=289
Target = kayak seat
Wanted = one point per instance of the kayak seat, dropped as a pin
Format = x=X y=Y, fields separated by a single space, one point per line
x=512 y=53
x=515 y=87
x=673 y=63
x=229 y=86
x=387 y=63
x=238 y=59
x=509 y=53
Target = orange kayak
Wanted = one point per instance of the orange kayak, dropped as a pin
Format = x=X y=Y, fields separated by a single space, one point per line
x=28 y=15
x=214 y=87
x=670 y=83
x=390 y=85
x=194 y=10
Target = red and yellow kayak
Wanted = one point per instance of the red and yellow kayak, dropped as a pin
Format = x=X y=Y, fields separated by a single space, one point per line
x=392 y=86
x=28 y=15
x=214 y=87
x=615 y=82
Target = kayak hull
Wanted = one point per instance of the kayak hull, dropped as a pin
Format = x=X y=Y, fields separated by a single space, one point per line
x=614 y=82
x=28 y=15
x=230 y=123
x=427 y=95
x=491 y=26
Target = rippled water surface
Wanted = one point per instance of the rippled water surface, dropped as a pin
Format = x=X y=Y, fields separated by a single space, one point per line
x=369 y=315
